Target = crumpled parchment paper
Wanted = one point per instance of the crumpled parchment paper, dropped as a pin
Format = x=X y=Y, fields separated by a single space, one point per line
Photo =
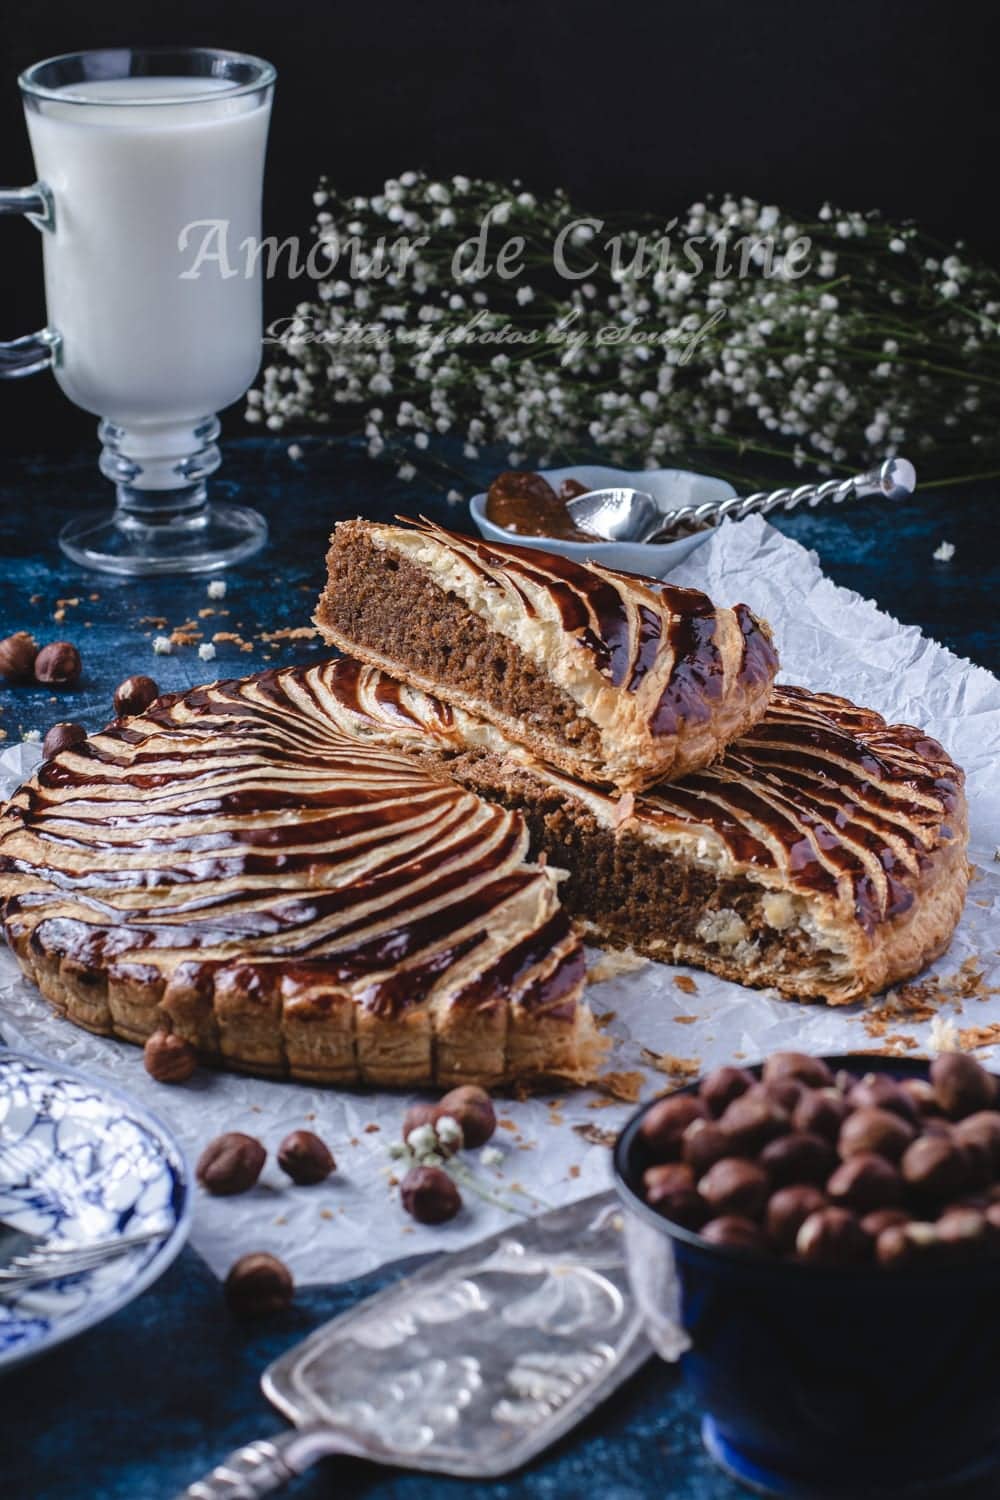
x=555 y=1146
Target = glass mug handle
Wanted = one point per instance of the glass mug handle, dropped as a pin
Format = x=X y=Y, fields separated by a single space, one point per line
x=35 y=351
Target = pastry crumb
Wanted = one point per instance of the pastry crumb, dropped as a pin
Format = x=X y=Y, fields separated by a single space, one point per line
x=217 y=588
x=944 y=552
x=610 y=965
x=624 y=1086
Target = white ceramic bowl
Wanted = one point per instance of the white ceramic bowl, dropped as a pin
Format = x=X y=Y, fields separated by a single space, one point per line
x=669 y=488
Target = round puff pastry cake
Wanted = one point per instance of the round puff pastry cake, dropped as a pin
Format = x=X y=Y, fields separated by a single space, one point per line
x=611 y=677
x=232 y=865
x=824 y=854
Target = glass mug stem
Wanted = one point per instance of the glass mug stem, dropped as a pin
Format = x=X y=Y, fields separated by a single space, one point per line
x=132 y=337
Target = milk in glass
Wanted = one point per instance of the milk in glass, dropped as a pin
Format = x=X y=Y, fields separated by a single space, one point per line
x=140 y=343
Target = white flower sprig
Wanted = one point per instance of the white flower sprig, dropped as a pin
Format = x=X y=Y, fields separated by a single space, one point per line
x=437 y=1145
x=874 y=339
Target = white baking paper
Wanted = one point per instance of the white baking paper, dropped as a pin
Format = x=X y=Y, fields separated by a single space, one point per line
x=829 y=638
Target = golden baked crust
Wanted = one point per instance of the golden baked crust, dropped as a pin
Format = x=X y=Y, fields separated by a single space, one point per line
x=609 y=676
x=824 y=854
x=235 y=867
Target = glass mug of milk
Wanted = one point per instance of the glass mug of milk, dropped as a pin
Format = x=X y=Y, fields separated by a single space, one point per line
x=133 y=148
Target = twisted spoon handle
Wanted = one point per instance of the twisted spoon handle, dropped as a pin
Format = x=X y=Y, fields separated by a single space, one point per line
x=894 y=480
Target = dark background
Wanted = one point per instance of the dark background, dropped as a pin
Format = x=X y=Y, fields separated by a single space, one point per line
x=870 y=103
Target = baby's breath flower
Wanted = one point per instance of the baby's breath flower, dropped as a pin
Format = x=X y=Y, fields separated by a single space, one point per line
x=449 y=1131
x=788 y=351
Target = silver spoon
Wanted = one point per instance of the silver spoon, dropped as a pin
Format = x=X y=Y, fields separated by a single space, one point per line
x=627 y=515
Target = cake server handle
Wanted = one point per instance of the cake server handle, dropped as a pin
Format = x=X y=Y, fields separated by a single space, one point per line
x=268 y=1465
x=894 y=479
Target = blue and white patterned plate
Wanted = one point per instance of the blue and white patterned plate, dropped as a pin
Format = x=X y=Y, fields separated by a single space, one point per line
x=81 y=1162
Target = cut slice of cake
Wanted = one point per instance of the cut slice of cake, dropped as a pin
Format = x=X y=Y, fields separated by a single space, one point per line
x=291 y=899
x=824 y=854
x=613 y=678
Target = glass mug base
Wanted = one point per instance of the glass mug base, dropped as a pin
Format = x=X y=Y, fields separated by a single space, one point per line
x=200 y=540
x=163 y=522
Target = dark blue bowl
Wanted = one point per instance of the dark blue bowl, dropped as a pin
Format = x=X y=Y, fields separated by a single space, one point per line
x=819 y=1383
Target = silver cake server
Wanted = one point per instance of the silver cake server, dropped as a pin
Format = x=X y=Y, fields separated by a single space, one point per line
x=470 y=1367
x=627 y=515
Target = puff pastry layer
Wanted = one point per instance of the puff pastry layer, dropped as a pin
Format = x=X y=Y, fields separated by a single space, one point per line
x=236 y=865
x=611 y=677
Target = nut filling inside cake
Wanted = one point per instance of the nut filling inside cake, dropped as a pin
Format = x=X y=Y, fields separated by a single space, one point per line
x=634 y=897
x=432 y=634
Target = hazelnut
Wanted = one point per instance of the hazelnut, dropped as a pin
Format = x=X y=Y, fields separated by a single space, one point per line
x=134 y=695
x=982 y=1129
x=169 y=1058
x=964 y=1235
x=787 y=1212
x=910 y=1244
x=58 y=665
x=978 y=1163
x=472 y=1110
x=798 y=1157
x=811 y=1071
x=877 y=1130
x=820 y=1112
x=305 y=1158
x=735 y=1186
x=730 y=1232
x=63 y=736
x=720 y=1087
x=259 y=1285
x=921 y=1094
x=883 y=1218
x=754 y=1119
x=17 y=656
x=417 y=1116
x=703 y=1143
x=832 y=1237
x=935 y=1167
x=670 y=1189
x=666 y=1121
x=879 y=1091
x=785 y=1091
x=230 y=1164
x=429 y=1195
x=961 y=1085
x=865 y=1182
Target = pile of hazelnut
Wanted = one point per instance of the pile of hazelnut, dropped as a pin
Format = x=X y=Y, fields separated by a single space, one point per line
x=432 y=1133
x=833 y=1170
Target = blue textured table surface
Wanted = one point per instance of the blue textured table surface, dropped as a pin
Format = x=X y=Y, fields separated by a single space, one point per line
x=136 y=1409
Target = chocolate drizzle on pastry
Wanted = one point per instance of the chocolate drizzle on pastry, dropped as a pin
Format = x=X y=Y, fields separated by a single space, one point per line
x=612 y=677
x=235 y=838
x=834 y=842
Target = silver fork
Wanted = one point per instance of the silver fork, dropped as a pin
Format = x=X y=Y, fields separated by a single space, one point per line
x=50 y=1262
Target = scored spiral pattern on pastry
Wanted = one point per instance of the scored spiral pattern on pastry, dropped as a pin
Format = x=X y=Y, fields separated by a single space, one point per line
x=840 y=839
x=658 y=678
x=233 y=865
